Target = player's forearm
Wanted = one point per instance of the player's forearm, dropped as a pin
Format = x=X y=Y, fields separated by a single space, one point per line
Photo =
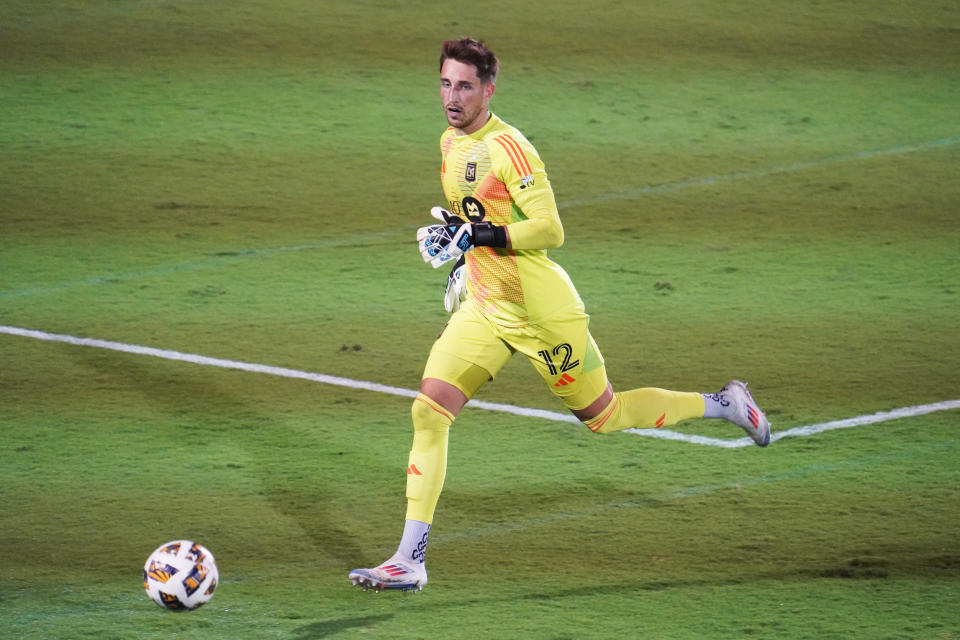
x=535 y=233
x=542 y=228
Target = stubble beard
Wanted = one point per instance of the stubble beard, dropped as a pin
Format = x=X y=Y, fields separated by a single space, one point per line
x=463 y=120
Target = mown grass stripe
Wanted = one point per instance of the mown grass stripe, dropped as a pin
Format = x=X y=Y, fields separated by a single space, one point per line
x=217 y=260
x=757 y=173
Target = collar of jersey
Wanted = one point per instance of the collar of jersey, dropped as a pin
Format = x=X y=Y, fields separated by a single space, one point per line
x=482 y=131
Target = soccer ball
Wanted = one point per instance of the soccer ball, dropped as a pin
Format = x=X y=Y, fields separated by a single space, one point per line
x=180 y=575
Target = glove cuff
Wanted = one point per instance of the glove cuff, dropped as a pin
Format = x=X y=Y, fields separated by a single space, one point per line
x=486 y=234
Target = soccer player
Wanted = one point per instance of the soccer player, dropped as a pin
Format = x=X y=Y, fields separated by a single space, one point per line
x=500 y=218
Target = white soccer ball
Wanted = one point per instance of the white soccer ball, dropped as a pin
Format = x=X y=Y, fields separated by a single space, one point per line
x=180 y=575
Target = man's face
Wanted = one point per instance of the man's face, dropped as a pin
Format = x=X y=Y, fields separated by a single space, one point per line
x=465 y=99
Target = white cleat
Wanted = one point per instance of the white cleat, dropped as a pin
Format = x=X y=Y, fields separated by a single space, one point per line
x=746 y=413
x=392 y=574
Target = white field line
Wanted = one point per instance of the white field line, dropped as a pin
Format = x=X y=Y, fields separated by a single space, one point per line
x=809 y=430
x=166 y=354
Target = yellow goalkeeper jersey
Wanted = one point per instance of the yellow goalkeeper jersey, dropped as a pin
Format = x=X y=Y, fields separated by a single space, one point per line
x=496 y=175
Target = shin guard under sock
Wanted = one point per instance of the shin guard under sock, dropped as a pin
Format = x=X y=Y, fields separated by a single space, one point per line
x=646 y=408
x=427 y=464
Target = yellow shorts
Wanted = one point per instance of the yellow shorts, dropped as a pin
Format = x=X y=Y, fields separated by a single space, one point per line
x=560 y=348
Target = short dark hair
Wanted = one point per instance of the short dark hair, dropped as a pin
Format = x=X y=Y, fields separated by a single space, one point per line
x=471 y=51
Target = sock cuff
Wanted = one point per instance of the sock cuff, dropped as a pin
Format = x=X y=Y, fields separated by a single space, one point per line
x=596 y=423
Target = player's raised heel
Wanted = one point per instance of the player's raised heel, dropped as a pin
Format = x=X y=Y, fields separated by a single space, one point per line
x=746 y=413
x=392 y=574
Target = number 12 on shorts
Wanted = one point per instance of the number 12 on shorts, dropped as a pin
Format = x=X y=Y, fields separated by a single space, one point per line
x=565 y=365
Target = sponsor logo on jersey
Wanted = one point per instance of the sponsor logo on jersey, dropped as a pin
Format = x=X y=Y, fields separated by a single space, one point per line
x=526 y=181
x=474 y=209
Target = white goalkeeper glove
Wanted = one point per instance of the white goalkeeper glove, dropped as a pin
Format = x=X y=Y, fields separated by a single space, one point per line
x=441 y=243
x=456 y=286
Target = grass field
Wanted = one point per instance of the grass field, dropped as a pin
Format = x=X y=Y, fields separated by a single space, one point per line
x=764 y=189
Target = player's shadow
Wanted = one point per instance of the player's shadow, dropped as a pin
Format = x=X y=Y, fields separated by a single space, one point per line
x=326 y=628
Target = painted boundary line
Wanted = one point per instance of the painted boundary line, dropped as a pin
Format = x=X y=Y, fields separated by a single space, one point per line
x=809 y=430
x=166 y=354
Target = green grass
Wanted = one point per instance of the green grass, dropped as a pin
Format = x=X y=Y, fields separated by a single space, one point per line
x=762 y=189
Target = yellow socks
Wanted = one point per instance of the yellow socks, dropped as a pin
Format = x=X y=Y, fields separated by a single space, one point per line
x=427 y=464
x=647 y=408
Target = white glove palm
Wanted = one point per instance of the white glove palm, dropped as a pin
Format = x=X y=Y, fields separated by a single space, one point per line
x=441 y=243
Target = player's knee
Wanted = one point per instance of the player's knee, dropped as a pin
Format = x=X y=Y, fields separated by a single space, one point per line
x=606 y=419
x=429 y=415
x=602 y=413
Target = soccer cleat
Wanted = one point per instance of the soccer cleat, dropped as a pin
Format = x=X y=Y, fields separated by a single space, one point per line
x=392 y=574
x=746 y=413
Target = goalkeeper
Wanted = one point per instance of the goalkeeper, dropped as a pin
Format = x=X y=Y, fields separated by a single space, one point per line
x=499 y=220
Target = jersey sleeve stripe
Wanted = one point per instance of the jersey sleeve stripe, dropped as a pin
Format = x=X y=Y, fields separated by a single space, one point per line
x=520 y=154
x=517 y=157
x=510 y=152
